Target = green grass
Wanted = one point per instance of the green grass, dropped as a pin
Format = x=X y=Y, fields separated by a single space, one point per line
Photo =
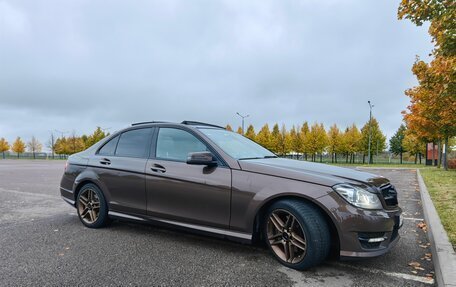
x=442 y=188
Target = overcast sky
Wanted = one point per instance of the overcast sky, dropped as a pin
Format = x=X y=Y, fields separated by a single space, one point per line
x=75 y=65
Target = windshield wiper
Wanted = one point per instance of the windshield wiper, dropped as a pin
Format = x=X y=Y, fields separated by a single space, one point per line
x=259 y=157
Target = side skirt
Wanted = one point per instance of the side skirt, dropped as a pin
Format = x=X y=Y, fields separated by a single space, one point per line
x=233 y=235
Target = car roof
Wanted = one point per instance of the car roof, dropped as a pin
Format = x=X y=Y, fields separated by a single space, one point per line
x=186 y=123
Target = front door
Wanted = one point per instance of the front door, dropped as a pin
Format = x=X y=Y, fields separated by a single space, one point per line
x=182 y=192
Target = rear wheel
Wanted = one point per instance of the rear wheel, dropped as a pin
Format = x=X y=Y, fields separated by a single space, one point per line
x=92 y=207
x=297 y=234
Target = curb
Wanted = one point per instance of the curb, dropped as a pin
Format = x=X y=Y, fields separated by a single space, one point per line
x=443 y=254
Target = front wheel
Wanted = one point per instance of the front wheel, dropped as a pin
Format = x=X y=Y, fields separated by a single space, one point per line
x=92 y=207
x=297 y=234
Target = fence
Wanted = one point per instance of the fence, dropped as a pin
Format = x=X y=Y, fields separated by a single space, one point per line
x=359 y=158
x=29 y=155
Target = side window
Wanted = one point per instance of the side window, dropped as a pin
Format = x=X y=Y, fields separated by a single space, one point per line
x=110 y=147
x=175 y=144
x=133 y=143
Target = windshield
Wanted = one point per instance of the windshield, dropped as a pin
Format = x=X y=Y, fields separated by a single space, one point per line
x=236 y=145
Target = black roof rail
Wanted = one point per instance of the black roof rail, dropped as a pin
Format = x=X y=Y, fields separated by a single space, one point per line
x=193 y=123
x=144 y=123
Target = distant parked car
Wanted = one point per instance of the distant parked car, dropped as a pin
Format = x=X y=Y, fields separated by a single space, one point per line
x=202 y=177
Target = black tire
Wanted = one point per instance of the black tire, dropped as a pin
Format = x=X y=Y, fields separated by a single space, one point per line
x=102 y=218
x=315 y=232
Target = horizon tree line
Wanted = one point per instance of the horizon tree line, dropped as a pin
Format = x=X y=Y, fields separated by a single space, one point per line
x=312 y=141
x=61 y=146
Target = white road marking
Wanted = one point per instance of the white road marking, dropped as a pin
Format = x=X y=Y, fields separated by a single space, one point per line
x=421 y=279
x=324 y=276
x=30 y=193
x=414 y=219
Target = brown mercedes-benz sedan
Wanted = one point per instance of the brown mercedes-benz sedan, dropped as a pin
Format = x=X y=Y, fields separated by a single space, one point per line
x=201 y=177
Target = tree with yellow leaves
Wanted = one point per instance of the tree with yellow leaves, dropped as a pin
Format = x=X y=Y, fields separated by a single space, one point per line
x=4 y=146
x=95 y=137
x=414 y=145
x=304 y=146
x=239 y=130
x=75 y=144
x=250 y=132
x=285 y=143
x=317 y=140
x=351 y=139
x=295 y=139
x=61 y=146
x=264 y=137
x=275 y=138
x=431 y=115
x=334 y=142
x=229 y=128
x=18 y=146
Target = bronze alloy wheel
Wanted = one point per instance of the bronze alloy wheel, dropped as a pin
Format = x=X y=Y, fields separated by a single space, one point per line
x=286 y=236
x=89 y=206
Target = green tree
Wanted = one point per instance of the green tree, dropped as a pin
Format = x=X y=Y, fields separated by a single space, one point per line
x=34 y=146
x=4 y=146
x=264 y=137
x=396 y=142
x=18 y=146
x=250 y=132
x=378 y=139
x=334 y=142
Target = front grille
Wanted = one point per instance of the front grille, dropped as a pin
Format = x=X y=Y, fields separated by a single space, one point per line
x=389 y=194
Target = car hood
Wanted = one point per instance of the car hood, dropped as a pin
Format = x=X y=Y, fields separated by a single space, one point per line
x=317 y=173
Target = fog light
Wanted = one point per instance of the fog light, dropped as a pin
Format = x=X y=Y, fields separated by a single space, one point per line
x=378 y=239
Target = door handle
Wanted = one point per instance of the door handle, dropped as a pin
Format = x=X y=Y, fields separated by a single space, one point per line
x=105 y=161
x=158 y=168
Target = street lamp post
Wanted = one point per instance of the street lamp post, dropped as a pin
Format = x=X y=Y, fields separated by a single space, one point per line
x=370 y=133
x=243 y=117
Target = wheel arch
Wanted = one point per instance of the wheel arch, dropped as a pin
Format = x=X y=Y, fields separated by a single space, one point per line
x=260 y=217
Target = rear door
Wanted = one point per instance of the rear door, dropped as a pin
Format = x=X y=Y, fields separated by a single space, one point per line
x=186 y=193
x=120 y=166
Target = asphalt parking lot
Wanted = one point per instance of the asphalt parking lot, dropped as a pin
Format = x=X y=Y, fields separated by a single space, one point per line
x=42 y=243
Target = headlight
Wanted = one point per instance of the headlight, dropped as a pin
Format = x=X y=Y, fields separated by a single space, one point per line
x=358 y=196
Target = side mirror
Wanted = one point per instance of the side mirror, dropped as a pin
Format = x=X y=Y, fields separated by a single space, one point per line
x=201 y=158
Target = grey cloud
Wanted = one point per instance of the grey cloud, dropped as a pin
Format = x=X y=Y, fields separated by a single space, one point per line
x=73 y=65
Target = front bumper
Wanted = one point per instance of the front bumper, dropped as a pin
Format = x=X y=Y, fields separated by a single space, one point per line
x=363 y=233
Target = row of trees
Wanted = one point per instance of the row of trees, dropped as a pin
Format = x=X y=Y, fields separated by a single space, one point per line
x=63 y=145
x=19 y=146
x=313 y=141
x=431 y=115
